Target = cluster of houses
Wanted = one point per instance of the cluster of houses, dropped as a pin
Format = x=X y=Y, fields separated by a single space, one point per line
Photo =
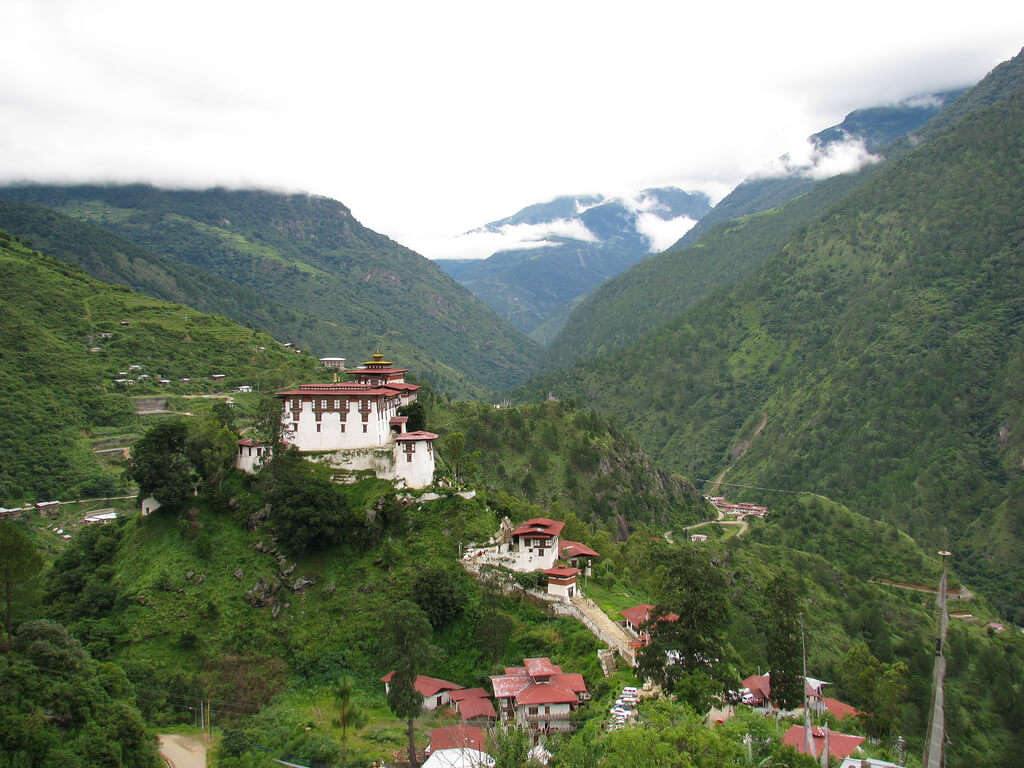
x=354 y=426
x=741 y=509
x=43 y=508
x=536 y=545
x=537 y=696
x=134 y=376
x=810 y=740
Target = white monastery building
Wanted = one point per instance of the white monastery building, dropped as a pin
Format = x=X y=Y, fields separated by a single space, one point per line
x=533 y=545
x=357 y=426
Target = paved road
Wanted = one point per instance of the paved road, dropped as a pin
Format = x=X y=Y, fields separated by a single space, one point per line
x=182 y=751
x=623 y=642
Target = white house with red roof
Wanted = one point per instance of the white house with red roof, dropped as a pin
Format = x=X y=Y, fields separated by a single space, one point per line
x=251 y=454
x=357 y=423
x=562 y=581
x=436 y=692
x=757 y=692
x=637 y=621
x=577 y=555
x=539 y=695
x=533 y=545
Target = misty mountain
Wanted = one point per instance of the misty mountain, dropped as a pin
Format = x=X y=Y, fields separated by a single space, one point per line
x=567 y=247
x=872 y=129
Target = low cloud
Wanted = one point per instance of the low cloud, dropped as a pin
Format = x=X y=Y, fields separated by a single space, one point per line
x=662 y=233
x=815 y=161
x=928 y=100
x=481 y=243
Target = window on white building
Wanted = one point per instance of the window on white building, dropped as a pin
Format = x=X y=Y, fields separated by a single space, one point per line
x=323 y=404
x=337 y=405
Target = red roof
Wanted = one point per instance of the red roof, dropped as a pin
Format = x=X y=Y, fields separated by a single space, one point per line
x=509 y=685
x=639 y=614
x=515 y=670
x=572 y=681
x=539 y=526
x=351 y=389
x=561 y=572
x=401 y=386
x=840 y=745
x=427 y=686
x=567 y=549
x=399 y=419
x=840 y=710
x=541 y=667
x=477 y=707
x=456 y=737
x=419 y=434
x=250 y=441
x=469 y=693
x=759 y=684
x=546 y=693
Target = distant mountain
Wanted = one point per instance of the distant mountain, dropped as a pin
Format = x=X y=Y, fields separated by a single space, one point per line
x=733 y=240
x=298 y=265
x=570 y=245
x=876 y=357
x=872 y=128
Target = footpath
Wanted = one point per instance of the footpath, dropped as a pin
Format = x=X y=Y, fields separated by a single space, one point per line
x=180 y=751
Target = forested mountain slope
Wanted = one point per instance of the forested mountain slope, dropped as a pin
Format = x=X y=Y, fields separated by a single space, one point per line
x=755 y=220
x=879 y=352
x=354 y=290
x=55 y=394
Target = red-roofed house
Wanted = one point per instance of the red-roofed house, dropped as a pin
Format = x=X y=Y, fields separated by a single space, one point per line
x=638 y=616
x=839 y=710
x=840 y=745
x=457 y=737
x=436 y=692
x=358 y=421
x=251 y=454
x=562 y=581
x=759 y=694
x=539 y=695
x=533 y=545
x=578 y=555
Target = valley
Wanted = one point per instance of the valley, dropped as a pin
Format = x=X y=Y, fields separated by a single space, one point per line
x=716 y=508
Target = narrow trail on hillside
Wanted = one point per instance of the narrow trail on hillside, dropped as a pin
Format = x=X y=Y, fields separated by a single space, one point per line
x=738 y=453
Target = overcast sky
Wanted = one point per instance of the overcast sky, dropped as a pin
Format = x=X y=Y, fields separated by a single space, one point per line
x=430 y=118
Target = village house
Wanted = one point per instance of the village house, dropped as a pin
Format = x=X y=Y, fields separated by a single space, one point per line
x=577 y=555
x=357 y=423
x=637 y=621
x=839 y=745
x=48 y=508
x=473 y=705
x=457 y=737
x=539 y=696
x=332 y=362
x=533 y=545
x=697 y=538
x=251 y=454
x=436 y=692
x=562 y=582
x=757 y=692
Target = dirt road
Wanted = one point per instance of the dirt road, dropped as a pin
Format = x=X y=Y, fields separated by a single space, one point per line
x=182 y=751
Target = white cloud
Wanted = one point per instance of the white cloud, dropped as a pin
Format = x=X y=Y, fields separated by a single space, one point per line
x=427 y=119
x=925 y=100
x=810 y=160
x=481 y=243
x=663 y=233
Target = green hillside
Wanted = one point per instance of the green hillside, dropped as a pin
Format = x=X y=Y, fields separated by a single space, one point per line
x=665 y=286
x=569 y=462
x=349 y=289
x=59 y=400
x=875 y=358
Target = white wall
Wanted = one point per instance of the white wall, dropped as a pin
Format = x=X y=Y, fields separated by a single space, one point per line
x=418 y=473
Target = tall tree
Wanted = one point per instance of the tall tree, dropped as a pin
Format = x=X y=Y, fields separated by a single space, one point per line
x=688 y=653
x=406 y=645
x=349 y=714
x=20 y=564
x=160 y=466
x=782 y=632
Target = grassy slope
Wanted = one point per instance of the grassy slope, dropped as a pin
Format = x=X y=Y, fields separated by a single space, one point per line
x=55 y=394
x=309 y=254
x=881 y=344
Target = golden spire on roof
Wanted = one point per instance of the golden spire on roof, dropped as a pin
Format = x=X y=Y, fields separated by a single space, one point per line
x=378 y=361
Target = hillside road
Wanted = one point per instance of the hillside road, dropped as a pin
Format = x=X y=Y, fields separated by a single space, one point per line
x=182 y=751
